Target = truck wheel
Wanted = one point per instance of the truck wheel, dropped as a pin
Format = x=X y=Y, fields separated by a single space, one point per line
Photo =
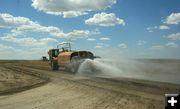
x=54 y=65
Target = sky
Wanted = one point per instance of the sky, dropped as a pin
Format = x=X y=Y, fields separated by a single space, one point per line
x=125 y=28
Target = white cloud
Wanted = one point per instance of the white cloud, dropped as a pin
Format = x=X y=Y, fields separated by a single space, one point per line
x=173 y=18
x=172 y=45
x=28 y=41
x=95 y=32
x=175 y=36
x=9 y=21
x=23 y=53
x=77 y=34
x=157 y=47
x=20 y=33
x=6 y=51
x=70 y=14
x=71 y=8
x=122 y=45
x=151 y=29
x=48 y=40
x=8 y=38
x=54 y=31
x=141 y=42
x=164 y=27
x=91 y=39
x=5 y=47
x=161 y=27
x=104 y=38
x=104 y=19
x=25 y=24
x=98 y=46
x=168 y=45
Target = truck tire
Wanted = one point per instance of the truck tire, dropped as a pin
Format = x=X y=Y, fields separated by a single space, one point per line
x=54 y=65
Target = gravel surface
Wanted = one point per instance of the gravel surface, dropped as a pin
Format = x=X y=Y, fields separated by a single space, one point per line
x=37 y=87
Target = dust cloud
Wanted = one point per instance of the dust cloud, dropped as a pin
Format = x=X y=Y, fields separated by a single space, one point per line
x=153 y=70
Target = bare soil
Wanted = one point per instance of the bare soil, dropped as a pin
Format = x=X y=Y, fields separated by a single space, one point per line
x=32 y=85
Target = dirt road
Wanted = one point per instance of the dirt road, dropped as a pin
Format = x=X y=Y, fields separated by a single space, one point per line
x=62 y=90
